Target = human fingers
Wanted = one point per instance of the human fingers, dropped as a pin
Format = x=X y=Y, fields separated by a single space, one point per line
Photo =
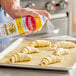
x=21 y=12
x=44 y=13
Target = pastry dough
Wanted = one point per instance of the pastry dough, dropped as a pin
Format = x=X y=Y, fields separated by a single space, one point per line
x=19 y=57
x=65 y=44
x=29 y=50
x=50 y=60
x=61 y=51
x=40 y=43
x=53 y=47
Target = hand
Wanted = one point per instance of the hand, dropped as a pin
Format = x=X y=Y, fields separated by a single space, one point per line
x=15 y=11
x=21 y=12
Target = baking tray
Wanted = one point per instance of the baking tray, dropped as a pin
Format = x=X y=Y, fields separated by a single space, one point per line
x=18 y=42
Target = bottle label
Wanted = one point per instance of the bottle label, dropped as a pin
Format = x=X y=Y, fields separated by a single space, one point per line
x=30 y=23
x=38 y=22
x=19 y=26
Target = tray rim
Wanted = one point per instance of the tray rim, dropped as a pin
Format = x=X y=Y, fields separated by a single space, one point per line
x=17 y=42
x=35 y=67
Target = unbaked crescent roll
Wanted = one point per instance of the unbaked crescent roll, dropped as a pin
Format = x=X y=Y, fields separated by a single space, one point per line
x=50 y=60
x=19 y=57
x=53 y=47
x=29 y=50
x=40 y=43
x=61 y=51
x=65 y=44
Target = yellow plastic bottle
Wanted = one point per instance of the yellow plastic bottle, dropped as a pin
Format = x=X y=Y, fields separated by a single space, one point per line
x=21 y=25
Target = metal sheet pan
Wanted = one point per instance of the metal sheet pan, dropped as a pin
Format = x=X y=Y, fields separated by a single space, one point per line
x=16 y=43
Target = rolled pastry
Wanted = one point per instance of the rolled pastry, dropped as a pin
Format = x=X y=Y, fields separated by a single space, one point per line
x=40 y=43
x=19 y=57
x=61 y=51
x=50 y=60
x=53 y=47
x=65 y=44
x=29 y=50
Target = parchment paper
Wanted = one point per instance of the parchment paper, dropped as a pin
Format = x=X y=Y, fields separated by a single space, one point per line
x=67 y=60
